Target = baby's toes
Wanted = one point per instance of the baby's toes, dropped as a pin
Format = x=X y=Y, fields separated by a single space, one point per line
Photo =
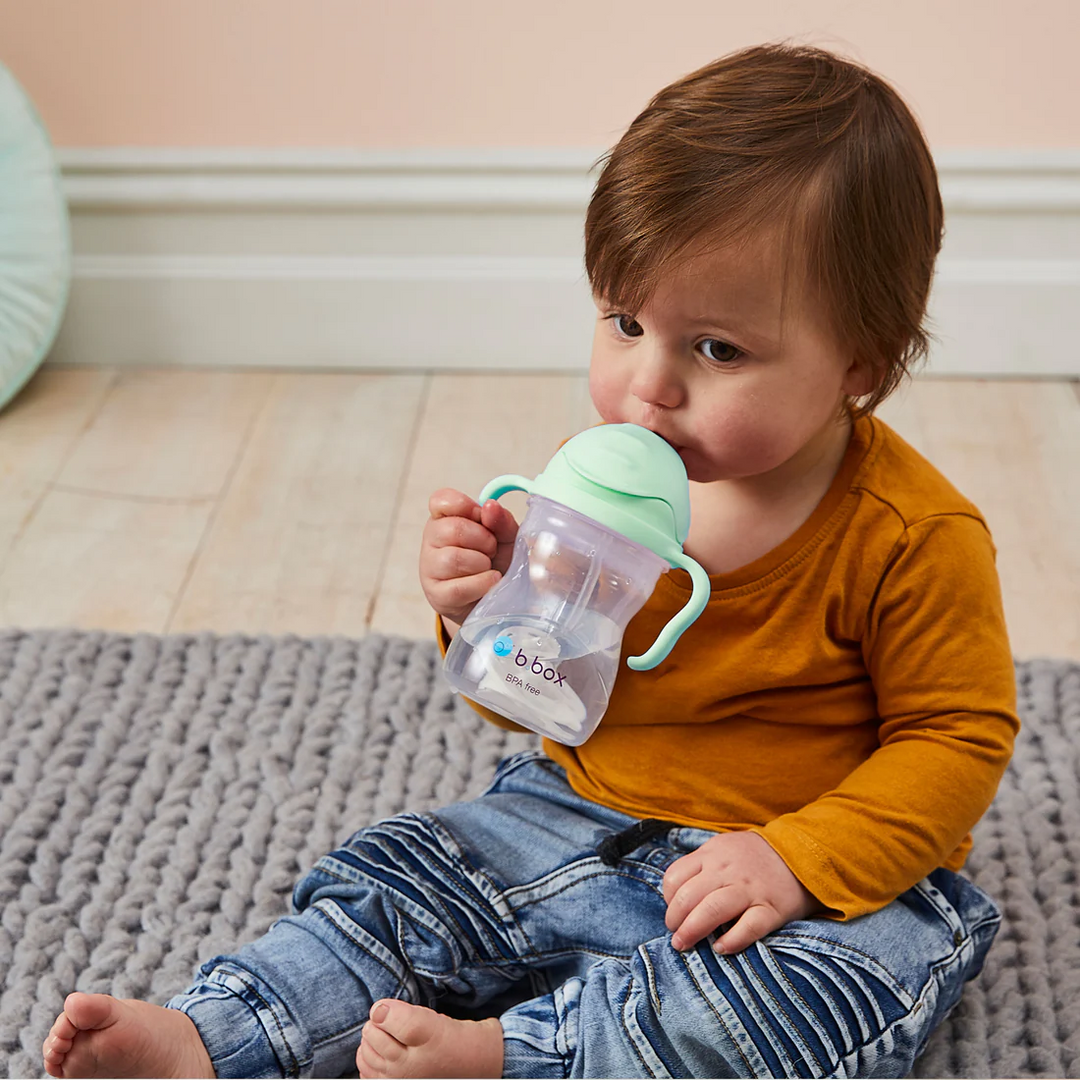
x=380 y=1054
x=381 y=1042
x=411 y=1025
x=54 y=1048
x=53 y=1053
x=56 y=1045
x=369 y=1064
x=62 y=1028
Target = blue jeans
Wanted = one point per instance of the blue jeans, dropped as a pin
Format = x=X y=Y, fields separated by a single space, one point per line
x=502 y=907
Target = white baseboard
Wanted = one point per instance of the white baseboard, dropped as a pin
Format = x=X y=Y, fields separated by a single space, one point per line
x=472 y=259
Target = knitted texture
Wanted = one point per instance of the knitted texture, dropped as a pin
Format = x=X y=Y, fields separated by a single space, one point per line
x=159 y=797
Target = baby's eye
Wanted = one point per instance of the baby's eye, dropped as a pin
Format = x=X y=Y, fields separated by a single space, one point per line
x=720 y=352
x=626 y=325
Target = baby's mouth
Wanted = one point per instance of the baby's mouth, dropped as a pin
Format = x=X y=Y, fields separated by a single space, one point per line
x=677 y=447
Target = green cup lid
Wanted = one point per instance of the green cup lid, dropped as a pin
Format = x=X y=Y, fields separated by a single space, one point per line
x=631 y=481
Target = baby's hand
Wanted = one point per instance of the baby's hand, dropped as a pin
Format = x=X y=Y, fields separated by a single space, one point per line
x=465 y=550
x=734 y=875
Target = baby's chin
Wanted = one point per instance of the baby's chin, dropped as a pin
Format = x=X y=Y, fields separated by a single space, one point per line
x=702 y=471
x=698 y=470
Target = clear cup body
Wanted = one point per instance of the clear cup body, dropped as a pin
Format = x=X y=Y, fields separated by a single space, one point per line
x=542 y=647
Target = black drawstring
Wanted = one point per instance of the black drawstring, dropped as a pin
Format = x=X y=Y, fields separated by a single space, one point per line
x=612 y=848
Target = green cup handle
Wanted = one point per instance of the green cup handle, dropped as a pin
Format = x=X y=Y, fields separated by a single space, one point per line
x=671 y=633
x=493 y=489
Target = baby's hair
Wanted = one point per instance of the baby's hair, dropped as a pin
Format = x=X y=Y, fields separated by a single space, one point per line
x=796 y=138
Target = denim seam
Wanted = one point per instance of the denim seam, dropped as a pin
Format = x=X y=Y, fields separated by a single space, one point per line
x=511 y=765
x=560 y=1040
x=273 y=1012
x=450 y=943
x=751 y=977
x=462 y=945
x=383 y=886
x=458 y=857
x=958 y=947
x=712 y=1008
x=875 y=966
x=441 y=833
x=630 y=1036
x=807 y=1010
x=942 y=908
x=399 y=920
x=866 y=1018
x=446 y=913
x=349 y=937
x=591 y=857
x=550 y=954
x=587 y=877
x=654 y=990
x=821 y=980
x=969 y=936
x=991 y=920
x=917 y=1004
x=337 y=1035
x=869 y=1037
x=484 y=905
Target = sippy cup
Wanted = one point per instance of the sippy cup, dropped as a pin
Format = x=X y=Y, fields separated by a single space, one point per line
x=606 y=517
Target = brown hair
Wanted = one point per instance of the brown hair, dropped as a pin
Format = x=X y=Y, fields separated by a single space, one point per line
x=784 y=134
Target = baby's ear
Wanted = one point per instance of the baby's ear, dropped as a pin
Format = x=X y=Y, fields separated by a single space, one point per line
x=860 y=379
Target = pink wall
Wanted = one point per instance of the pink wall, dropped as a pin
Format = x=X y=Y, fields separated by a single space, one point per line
x=400 y=73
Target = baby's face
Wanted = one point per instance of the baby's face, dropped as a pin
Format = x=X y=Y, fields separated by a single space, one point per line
x=712 y=364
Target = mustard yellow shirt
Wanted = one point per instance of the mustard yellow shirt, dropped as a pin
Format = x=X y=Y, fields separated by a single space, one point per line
x=850 y=695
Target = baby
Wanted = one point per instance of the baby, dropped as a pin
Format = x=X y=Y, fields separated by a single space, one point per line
x=751 y=868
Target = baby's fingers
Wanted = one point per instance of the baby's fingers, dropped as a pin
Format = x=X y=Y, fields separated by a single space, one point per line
x=446 y=502
x=716 y=907
x=756 y=922
x=459 y=532
x=450 y=563
x=679 y=873
x=501 y=524
x=457 y=594
x=495 y=516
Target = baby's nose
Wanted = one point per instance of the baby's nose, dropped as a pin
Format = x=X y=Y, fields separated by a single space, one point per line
x=657 y=383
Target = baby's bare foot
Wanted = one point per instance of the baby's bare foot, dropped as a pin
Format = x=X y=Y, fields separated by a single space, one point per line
x=99 y=1035
x=403 y=1040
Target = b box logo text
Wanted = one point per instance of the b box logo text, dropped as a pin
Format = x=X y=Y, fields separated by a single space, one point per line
x=549 y=674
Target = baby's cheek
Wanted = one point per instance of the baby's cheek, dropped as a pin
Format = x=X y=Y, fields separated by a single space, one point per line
x=604 y=392
x=748 y=446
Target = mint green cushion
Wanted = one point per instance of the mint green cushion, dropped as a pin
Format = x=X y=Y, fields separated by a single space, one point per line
x=35 y=242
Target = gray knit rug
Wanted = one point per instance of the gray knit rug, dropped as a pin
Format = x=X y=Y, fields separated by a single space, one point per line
x=159 y=796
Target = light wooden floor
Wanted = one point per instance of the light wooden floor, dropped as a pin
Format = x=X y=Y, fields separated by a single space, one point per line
x=276 y=502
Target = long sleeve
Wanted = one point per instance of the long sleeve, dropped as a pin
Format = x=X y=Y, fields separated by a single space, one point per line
x=937 y=652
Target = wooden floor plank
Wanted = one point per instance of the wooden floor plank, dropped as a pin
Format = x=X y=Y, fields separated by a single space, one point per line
x=97 y=562
x=300 y=534
x=473 y=428
x=38 y=431
x=1012 y=448
x=167 y=434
